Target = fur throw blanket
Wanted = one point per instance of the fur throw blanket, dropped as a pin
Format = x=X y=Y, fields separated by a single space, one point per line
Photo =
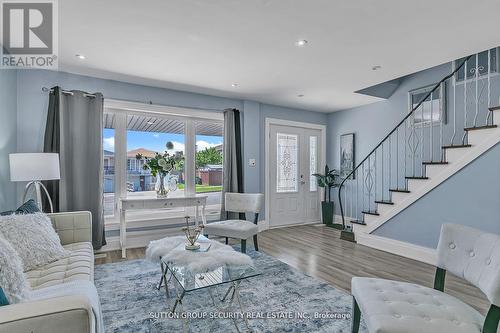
x=171 y=249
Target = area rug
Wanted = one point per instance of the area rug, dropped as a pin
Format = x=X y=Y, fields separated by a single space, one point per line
x=280 y=300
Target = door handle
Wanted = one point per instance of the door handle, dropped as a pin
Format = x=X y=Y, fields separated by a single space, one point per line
x=302 y=181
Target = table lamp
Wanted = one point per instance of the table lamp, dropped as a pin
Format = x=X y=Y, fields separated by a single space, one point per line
x=33 y=168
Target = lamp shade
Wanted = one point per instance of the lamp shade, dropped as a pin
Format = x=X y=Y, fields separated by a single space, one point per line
x=34 y=166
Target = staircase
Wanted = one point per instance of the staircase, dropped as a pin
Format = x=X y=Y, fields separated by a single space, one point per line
x=436 y=139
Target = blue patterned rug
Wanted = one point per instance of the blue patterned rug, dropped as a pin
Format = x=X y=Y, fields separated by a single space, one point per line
x=280 y=300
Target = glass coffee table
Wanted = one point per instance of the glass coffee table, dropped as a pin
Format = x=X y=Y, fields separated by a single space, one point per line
x=186 y=281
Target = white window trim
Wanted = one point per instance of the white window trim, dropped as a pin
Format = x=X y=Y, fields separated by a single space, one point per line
x=122 y=109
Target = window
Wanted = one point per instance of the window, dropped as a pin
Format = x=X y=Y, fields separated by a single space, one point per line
x=432 y=110
x=287 y=150
x=109 y=169
x=313 y=166
x=147 y=136
x=130 y=137
x=209 y=149
x=483 y=67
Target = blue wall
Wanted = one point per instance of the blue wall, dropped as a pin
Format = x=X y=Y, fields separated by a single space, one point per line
x=461 y=199
x=8 y=123
x=33 y=105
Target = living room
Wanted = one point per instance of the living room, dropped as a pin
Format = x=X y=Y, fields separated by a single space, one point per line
x=193 y=166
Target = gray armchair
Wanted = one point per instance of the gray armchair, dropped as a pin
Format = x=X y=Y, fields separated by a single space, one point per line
x=240 y=229
x=392 y=306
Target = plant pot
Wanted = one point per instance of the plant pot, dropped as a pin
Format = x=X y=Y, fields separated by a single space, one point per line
x=327 y=212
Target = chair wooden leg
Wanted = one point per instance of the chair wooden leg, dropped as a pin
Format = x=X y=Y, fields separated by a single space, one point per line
x=227 y=240
x=243 y=246
x=255 y=244
x=356 y=316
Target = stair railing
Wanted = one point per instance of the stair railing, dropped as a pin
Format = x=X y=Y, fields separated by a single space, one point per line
x=393 y=161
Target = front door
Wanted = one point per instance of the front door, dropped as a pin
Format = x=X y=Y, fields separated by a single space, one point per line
x=293 y=157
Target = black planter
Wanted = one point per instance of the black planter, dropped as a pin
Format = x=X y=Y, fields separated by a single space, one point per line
x=327 y=212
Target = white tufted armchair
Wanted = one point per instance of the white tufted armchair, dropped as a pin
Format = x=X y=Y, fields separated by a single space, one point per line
x=393 y=307
x=240 y=229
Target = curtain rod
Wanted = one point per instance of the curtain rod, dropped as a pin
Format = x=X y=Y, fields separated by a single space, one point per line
x=67 y=92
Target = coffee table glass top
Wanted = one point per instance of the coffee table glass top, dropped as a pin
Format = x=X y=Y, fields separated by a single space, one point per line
x=191 y=281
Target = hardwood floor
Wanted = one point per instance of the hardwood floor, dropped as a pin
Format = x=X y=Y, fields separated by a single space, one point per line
x=318 y=251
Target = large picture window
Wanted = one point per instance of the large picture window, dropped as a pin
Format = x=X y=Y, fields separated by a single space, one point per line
x=129 y=138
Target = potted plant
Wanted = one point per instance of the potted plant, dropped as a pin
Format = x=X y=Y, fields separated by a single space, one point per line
x=161 y=165
x=328 y=180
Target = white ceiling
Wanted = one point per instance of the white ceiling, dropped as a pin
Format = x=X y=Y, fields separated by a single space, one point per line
x=206 y=45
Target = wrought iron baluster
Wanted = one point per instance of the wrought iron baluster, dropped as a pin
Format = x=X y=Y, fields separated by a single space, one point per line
x=352 y=198
x=345 y=193
x=413 y=147
x=390 y=161
x=397 y=157
x=363 y=184
x=423 y=141
x=368 y=187
x=476 y=76
x=454 y=82
x=357 y=194
x=366 y=181
x=441 y=118
x=375 y=173
x=405 y=142
x=465 y=102
x=489 y=114
x=431 y=129
x=383 y=158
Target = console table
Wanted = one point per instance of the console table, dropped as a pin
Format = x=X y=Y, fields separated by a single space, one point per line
x=157 y=203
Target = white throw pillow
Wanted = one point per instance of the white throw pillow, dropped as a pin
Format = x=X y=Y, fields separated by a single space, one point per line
x=12 y=279
x=34 y=238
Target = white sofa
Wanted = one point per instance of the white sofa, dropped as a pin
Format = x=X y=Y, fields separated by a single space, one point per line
x=64 y=296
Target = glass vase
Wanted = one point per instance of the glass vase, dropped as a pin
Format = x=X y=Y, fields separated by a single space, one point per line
x=160 y=188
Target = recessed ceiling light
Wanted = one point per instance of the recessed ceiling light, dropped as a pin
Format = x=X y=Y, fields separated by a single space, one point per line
x=300 y=95
x=301 y=43
x=375 y=68
x=150 y=122
x=80 y=56
x=234 y=85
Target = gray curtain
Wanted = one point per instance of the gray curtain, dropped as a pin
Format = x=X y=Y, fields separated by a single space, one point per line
x=74 y=130
x=233 y=159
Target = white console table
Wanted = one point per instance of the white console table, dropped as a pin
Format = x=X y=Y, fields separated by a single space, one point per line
x=157 y=203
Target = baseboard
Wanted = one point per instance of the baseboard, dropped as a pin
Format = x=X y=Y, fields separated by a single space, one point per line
x=293 y=225
x=408 y=250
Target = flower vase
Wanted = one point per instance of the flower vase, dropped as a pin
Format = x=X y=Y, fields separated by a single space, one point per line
x=160 y=188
